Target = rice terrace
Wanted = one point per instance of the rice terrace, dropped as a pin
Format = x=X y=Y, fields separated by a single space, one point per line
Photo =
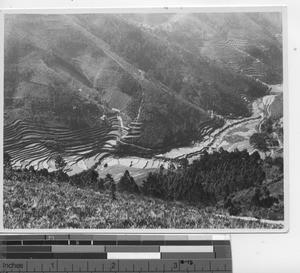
x=143 y=120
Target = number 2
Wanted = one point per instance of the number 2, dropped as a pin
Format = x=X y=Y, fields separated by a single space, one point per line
x=113 y=266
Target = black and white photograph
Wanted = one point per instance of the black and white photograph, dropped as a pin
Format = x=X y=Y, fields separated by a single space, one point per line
x=144 y=120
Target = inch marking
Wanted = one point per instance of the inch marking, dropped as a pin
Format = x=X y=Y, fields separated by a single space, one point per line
x=39 y=267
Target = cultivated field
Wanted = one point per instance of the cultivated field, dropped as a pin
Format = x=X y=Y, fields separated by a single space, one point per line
x=30 y=144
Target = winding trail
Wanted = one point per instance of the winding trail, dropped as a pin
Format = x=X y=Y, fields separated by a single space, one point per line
x=244 y=218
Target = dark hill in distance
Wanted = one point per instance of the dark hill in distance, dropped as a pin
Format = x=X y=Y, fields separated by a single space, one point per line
x=73 y=69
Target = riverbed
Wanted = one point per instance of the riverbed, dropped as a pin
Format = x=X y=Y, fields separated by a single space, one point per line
x=234 y=134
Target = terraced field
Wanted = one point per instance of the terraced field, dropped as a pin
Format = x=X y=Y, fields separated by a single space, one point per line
x=233 y=52
x=29 y=144
x=133 y=131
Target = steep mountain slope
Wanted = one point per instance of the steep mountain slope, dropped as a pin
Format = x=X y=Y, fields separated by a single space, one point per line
x=75 y=70
x=56 y=68
x=194 y=76
x=249 y=44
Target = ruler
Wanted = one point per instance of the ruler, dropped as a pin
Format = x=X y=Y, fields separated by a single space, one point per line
x=115 y=253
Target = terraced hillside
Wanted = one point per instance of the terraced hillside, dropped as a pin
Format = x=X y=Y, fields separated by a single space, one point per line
x=160 y=76
x=29 y=144
x=59 y=71
x=247 y=43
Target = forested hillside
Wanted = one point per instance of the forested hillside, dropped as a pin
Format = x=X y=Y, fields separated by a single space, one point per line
x=242 y=183
x=205 y=194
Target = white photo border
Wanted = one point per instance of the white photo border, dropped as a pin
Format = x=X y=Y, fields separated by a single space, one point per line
x=196 y=9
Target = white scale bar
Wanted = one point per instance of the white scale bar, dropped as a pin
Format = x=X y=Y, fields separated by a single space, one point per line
x=173 y=249
x=220 y=237
x=133 y=255
x=196 y=237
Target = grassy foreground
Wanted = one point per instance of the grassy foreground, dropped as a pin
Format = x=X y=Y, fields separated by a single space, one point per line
x=45 y=204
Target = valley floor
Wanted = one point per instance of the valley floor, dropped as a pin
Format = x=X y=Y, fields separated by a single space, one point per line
x=47 y=204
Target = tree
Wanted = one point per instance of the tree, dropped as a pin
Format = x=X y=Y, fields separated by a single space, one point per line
x=256 y=197
x=278 y=161
x=255 y=157
x=6 y=159
x=171 y=166
x=234 y=209
x=94 y=176
x=101 y=184
x=60 y=163
x=127 y=183
x=61 y=166
x=267 y=126
x=113 y=189
x=7 y=166
x=260 y=142
x=184 y=163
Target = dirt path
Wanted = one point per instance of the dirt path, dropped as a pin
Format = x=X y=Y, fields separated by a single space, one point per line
x=266 y=221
